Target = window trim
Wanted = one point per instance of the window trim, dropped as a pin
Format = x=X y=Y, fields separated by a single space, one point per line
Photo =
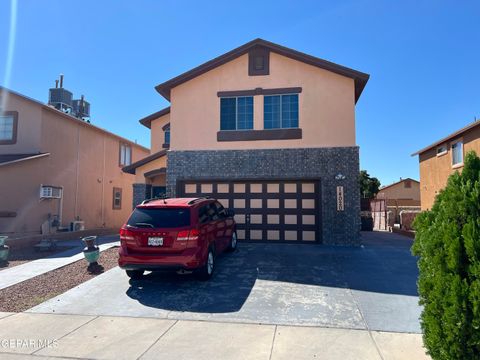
x=13 y=114
x=236 y=112
x=114 y=206
x=281 y=112
x=460 y=164
x=126 y=145
x=255 y=135
x=260 y=91
x=444 y=151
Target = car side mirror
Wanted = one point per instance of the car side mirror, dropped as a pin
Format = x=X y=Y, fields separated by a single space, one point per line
x=230 y=213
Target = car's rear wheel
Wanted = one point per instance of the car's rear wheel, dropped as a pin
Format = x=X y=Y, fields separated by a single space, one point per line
x=134 y=274
x=233 y=242
x=206 y=271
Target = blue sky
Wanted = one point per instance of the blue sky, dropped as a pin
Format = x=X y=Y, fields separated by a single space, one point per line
x=423 y=58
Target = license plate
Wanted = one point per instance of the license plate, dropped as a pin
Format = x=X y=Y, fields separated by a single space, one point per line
x=155 y=241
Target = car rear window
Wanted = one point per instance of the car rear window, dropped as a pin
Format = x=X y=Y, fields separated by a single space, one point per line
x=160 y=217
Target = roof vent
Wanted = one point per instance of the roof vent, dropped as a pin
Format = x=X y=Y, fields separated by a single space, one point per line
x=60 y=98
x=81 y=109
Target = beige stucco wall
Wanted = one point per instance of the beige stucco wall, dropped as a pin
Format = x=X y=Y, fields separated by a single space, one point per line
x=29 y=124
x=157 y=136
x=399 y=191
x=84 y=160
x=326 y=105
x=435 y=170
x=152 y=165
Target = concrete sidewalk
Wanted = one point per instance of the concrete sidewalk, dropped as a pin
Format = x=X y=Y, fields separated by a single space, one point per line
x=41 y=336
x=17 y=274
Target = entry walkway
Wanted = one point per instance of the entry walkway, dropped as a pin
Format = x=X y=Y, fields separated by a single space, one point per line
x=37 y=336
x=17 y=274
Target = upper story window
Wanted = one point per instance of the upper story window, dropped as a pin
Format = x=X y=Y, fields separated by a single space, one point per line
x=407 y=184
x=280 y=111
x=236 y=113
x=457 y=153
x=167 y=137
x=125 y=154
x=8 y=127
x=441 y=150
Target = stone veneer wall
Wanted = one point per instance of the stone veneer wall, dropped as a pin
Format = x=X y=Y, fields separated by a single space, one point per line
x=140 y=193
x=339 y=228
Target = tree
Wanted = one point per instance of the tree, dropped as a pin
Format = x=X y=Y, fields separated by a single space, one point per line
x=369 y=186
x=447 y=242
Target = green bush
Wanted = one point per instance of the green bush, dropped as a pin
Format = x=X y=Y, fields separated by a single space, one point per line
x=448 y=245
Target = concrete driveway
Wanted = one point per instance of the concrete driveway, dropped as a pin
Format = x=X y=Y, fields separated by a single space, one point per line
x=370 y=287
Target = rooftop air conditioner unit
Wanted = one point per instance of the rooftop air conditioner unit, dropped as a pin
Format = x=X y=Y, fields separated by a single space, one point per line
x=77 y=225
x=50 y=192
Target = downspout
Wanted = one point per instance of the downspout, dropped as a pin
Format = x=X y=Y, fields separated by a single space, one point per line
x=78 y=165
x=103 y=186
x=60 y=207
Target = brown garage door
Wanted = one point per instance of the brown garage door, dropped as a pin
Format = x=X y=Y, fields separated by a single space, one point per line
x=266 y=210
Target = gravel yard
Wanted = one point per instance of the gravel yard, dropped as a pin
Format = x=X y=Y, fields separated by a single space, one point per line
x=22 y=256
x=29 y=293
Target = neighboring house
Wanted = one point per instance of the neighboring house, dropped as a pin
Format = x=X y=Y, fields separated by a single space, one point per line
x=405 y=189
x=442 y=158
x=391 y=200
x=270 y=132
x=56 y=169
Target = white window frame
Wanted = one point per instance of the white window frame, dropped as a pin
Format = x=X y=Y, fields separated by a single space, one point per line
x=459 y=164
x=444 y=151
x=125 y=157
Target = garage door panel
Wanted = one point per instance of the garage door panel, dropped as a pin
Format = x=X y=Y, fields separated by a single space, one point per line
x=269 y=210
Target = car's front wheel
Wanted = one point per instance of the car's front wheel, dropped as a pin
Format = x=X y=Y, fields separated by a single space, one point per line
x=206 y=271
x=134 y=274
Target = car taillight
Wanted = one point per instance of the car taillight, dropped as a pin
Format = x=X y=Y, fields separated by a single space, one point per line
x=126 y=235
x=188 y=235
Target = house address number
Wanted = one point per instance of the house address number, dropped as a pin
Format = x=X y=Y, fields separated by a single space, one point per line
x=340 y=199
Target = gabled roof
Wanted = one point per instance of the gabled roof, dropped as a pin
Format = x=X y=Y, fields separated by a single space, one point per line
x=147 y=121
x=130 y=169
x=398 y=182
x=359 y=77
x=449 y=137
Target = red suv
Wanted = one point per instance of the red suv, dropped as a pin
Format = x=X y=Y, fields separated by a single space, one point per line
x=176 y=234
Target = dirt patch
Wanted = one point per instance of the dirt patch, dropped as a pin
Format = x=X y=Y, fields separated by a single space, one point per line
x=29 y=293
x=22 y=256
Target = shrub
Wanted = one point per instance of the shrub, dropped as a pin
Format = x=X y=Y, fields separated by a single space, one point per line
x=448 y=245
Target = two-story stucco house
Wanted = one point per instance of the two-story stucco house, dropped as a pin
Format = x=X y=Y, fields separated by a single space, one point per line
x=442 y=158
x=270 y=132
x=56 y=169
